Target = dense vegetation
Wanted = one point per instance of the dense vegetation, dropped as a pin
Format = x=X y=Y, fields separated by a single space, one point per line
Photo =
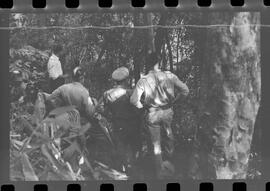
x=101 y=49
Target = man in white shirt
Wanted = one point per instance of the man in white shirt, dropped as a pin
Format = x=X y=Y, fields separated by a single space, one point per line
x=160 y=89
x=55 y=69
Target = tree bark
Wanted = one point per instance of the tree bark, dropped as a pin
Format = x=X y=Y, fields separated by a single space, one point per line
x=230 y=95
x=151 y=45
x=160 y=33
x=177 y=47
x=155 y=41
x=177 y=52
x=149 y=37
x=164 y=59
x=136 y=57
x=169 y=50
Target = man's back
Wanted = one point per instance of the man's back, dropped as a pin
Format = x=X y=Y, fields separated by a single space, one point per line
x=117 y=101
x=73 y=94
x=158 y=88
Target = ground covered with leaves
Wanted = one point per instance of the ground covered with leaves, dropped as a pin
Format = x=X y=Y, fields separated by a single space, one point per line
x=35 y=156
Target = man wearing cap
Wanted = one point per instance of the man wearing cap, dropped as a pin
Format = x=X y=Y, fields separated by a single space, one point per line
x=55 y=69
x=161 y=90
x=125 y=128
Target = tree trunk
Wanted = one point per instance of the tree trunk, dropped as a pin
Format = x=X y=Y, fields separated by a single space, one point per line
x=151 y=45
x=230 y=95
x=177 y=52
x=136 y=57
x=160 y=33
x=164 y=59
x=149 y=37
x=169 y=50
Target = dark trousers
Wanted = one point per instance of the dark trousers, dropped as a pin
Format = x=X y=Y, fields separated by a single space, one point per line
x=126 y=136
x=155 y=121
x=54 y=84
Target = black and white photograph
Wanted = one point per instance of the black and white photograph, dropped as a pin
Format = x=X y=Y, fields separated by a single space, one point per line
x=134 y=96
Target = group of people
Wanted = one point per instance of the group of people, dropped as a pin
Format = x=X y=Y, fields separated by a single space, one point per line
x=150 y=101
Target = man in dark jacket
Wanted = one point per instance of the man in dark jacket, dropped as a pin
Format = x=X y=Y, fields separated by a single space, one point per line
x=125 y=121
x=160 y=90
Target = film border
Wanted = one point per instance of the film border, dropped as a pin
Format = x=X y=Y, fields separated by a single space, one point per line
x=121 y=5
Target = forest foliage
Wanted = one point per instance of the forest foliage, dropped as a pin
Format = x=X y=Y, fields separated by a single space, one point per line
x=99 y=51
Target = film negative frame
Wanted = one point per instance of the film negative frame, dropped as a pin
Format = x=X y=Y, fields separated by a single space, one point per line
x=90 y=6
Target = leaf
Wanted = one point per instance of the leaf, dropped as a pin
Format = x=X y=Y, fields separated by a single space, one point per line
x=16 y=175
x=28 y=170
x=18 y=144
x=111 y=173
x=70 y=150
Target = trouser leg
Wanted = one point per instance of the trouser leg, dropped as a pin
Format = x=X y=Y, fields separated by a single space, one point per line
x=167 y=125
x=120 y=150
x=156 y=146
x=157 y=121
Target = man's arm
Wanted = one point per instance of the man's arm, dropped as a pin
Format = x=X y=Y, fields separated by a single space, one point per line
x=102 y=106
x=182 y=88
x=54 y=99
x=55 y=94
x=89 y=106
x=135 y=98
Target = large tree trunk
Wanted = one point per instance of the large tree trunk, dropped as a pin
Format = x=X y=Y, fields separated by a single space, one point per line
x=149 y=37
x=169 y=50
x=230 y=95
x=136 y=57
x=160 y=33
x=154 y=41
x=163 y=65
